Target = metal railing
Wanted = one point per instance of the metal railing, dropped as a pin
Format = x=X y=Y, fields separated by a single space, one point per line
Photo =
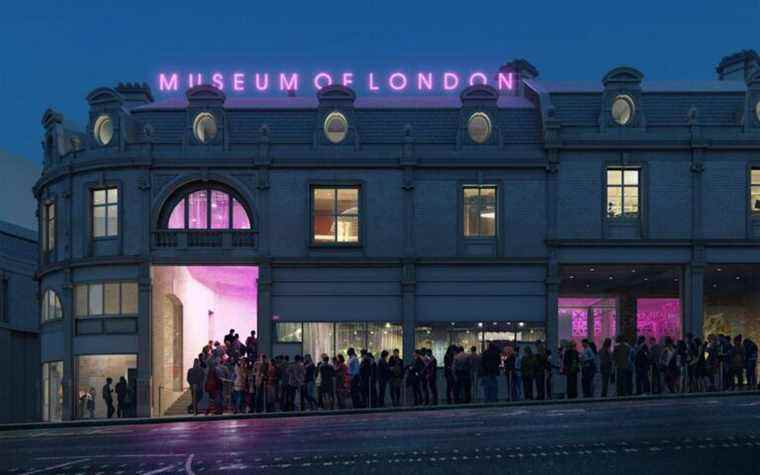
x=204 y=238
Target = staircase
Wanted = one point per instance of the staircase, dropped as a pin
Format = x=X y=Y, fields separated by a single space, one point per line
x=179 y=407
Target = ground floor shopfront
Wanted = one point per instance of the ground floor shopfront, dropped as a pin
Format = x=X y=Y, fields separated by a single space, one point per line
x=156 y=331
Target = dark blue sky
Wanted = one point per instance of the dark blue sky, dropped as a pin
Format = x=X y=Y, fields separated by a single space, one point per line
x=55 y=52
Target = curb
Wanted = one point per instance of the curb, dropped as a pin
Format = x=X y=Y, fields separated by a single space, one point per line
x=348 y=412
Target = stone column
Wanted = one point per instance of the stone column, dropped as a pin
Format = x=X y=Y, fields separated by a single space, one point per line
x=69 y=372
x=552 y=302
x=628 y=316
x=693 y=321
x=408 y=289
x=144 y=357
x=264 y=327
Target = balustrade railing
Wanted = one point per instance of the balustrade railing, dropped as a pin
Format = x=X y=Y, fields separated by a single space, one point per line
x=204 y=238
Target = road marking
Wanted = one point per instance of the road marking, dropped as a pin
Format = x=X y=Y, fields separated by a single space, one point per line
x=189 y=465
x=54 y=467
x=160 y=470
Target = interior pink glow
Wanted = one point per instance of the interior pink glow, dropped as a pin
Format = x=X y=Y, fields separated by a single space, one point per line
x=658 y=318
x=220 y=210
x=240 y=218
x=197 y=212
x=575 y=315
x=177 y=218
x=229 y=292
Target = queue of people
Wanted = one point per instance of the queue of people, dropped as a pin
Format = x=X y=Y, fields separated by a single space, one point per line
x=233 y=376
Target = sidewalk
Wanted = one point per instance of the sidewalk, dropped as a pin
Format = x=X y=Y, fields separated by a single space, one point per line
x=348 y=412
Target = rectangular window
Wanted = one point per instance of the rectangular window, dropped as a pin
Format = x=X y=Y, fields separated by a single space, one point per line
x=105 y=212
x=622 y=193
x=48 y=227
x=479 y=210
x=289 y=332
x=754 y=191
x=106 y=299
x=335 y=215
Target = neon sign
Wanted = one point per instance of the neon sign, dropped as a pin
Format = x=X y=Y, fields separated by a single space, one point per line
x=372 y=81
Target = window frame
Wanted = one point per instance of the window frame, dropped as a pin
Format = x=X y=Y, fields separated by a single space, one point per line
x=754 y=214
x=622 y=187
x=360 y=215
x=49 y=227
x=45 y=308
x=102 y=284
x=497 y=209
x=105 y=206
x=334 y=350
x=183 y=195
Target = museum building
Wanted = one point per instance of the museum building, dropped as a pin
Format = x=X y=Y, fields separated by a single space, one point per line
x=549 y=211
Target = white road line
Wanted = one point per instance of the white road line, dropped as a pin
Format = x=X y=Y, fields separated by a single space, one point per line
x=54 y=467
x=160 y=470
x=189 y=465
x=57 y=457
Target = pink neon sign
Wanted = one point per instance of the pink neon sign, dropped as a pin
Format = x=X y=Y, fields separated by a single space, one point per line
x=420 y=82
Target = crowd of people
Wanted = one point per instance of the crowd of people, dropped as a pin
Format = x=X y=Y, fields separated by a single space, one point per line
x=123 y=392
x=235 y=376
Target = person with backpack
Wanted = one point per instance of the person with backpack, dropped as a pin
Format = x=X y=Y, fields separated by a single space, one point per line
x=396 y=365
x=641 y=365
x=750 y=362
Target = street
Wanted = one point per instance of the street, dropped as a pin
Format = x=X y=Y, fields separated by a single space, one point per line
x=693 y=435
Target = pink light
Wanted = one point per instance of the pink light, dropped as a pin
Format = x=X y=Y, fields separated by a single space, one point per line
x=238 y=82
x=425 y=81
x=289 y=84
x=170 y=84
x=322 y=78
x=505 y=81
x=197 y=213
x=658 y=318
x=478 y=75
x=397 y=81
x=220 y=210
x=371 y=80
x=348 y=79
x=177 y=218
x=217 y=80
x=262 y=81
x=198 y=79
x=450 y=81
x=240 y=219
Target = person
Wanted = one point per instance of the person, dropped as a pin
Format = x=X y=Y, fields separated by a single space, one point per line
x=213 y=387
x=228 y=338
x=307 y=390
x=327 y=383
x=448 y=373
x=462 y=375
x=354 y=367
x=239 y=386
x=541 y=369
x=737 y=363
x=519 y=354
x=432 y=375
x=682 y=363
x=655 y=376
x=274 y=394
x=195 y=378
x=91 y=402
x=489 y=370
x=588 y=369
x=396 y=365
x=261 y=371
x=641 y=364
x=621 y=359
x=296 y=381
x=424 y=380
x=750 y=362
x=366 y=378
x=414 y=374
x=342 y=382
x=252 y=346
x=383 y=375
x=668 y=365
x=121 y=394
x=528 y=372
x=474 y=369
x=571 y=366
x=605 y=365
x=509 y=373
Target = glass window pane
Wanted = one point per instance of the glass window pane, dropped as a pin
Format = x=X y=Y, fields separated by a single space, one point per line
x=631 y=200
x=324 y=200
x=113 y=220
x=56 y=390
x=349 y=335
x=631 y=177
x=220 y=210
x=129 y=298
x=44 y=307
x=348 y=201
x=111 y=298
x=614 y=202
x=92 y=373
x=96 y=300
x=755 y=176
x=289 y=332
x=383 y=336
x=99 y=221
x=755 y=199
x=318 y=339
x=240 y=219
x=57 y=308
x=348 y=229
x=471 y=207
x=324 y=228
x=614 y=177
x=197 y=215
x=467 y=339
x=99 y=197
x=113 y=195
x=488 y=211
x=45 y=392
x=177 y=218
x=80 y=300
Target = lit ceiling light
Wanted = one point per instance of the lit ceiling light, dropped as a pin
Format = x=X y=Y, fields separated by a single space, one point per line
x=633 y=271
x=480 y=324
x=738 y=277
x=611 y=277
x=572 y=277
x=591 y=269
x=720 y=269
x=588 y=286
x=646 y=278
x=715 y=286
x=521 y=324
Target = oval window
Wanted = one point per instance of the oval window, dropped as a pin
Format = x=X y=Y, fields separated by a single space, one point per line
x=336 y=127
x=204 y=127
x=103 y=129
x=622 y=110
x=479 y=127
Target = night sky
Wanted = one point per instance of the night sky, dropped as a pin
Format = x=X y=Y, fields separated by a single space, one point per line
x=55 y=52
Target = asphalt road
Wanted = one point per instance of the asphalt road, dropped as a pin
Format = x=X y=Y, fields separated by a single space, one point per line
x=701 y=435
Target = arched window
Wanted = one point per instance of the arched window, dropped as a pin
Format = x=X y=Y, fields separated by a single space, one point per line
x=206 y=207
x=51 y=307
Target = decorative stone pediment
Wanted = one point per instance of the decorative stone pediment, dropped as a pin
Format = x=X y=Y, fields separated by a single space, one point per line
x=479 y=92
x=623 y=76
x=205 y=93
x=104 y=96
x=336 y=92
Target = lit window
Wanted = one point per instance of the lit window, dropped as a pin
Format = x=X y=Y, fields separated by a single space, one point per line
x=289 y=332
x=48 y=227
x=52 y=391
x=757 y=110
x=208 y=209
x=105 y=212
x=623 y=109
x=479 y=210
x=754 y=191
x=106 y=299
x=622 y=193
x=204 y=127
x=103 y=129
x=92 y=373
x=336 y=127
x=479 y=127
x=51 y=307
x=335 y=215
